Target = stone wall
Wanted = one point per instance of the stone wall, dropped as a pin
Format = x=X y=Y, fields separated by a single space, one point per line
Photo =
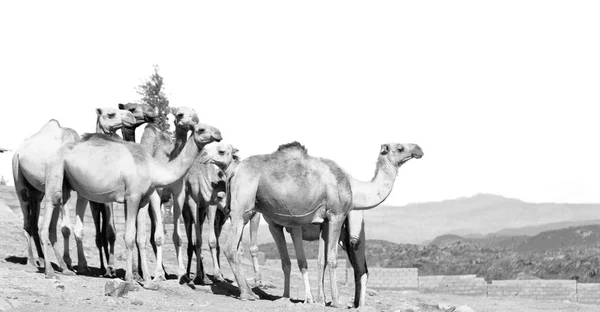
x=453 y=284
x=380 y=278
x=535 y=289
x=588 y=293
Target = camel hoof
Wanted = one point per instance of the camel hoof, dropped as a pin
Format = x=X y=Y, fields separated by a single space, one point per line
x=248 y=296
x=68 y=272
x=111 y=272
x=184 y=279
x=309 y=299
x=52 y=276
x=219 y=278
x=159 y=278
x=336 y=305
x=150 y=286
x=83 y=270
x=202 y=281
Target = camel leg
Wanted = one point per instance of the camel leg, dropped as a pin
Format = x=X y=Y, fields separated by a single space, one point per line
x=302 y=265
x=213 y=243
x=198 y=218
x=141 y=244
x=220 y=220
x=52 y=205
x=286 y=265
x=331 y=249
x=80 y=207
x=187 y=222
x=131 y=211
x=100 y=237
x=24 y=190
x=178 y=200
x=254 y=224
x=321 y=263
x=353 y=238
x=110 y=237
x=158 y=236
x=65 y=229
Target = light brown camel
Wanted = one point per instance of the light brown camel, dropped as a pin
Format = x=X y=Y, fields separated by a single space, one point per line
x=29 y=165
x=158 y=144
x=122 y=172
x=205 y=187
x=291 y=189
x=102 y=213
x=365 y=195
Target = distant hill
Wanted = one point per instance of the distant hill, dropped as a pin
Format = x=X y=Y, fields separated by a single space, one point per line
x=481 y=214
x=580 y=237
x=534 y=230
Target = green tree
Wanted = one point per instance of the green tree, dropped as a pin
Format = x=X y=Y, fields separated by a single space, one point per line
x=152 y=92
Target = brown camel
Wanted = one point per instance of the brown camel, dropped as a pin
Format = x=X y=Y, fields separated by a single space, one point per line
x=205 y=187
x=114 y=170
x=291 y=189
x=143 y=113
x=29 y=165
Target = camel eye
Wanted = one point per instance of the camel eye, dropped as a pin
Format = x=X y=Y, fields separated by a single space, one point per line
x=400 y=149
x=221 y=152
x=111 y=115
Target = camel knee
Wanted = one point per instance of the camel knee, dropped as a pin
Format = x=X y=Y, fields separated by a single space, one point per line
x=176 y=240
x=130 y=240
x=79 y=233
x=66 y=231
x=212 y=242
x=56 y=198
x=254 y=251
x=159 y=238
x=302 y=264
x=332 y=264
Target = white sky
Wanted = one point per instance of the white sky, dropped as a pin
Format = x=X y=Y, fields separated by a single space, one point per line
x=501 y=95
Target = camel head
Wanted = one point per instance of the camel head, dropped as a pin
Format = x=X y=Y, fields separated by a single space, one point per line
x=185 y=118
x=110 y=119
x=142 y=112
x=204 y=134
x=397 y=153
x=220 y=154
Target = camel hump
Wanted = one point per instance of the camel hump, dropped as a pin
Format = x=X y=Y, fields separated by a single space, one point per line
x=293 y=147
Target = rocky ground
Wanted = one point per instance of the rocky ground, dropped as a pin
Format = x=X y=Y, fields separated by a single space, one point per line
x=24 y=288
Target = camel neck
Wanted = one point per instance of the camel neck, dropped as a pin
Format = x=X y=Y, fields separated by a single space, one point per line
x=180 y=140
x=128 y=133
x=169 y=173
x=368 y=195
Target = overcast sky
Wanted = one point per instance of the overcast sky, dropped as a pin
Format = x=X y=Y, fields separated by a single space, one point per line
x=502 y=96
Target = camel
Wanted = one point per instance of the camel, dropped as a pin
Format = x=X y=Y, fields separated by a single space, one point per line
x=205 y=187
x=143 y=113
x=113 y=170
x=102 y=213
x=291 y=189
x=159 y=145
x=29 y=162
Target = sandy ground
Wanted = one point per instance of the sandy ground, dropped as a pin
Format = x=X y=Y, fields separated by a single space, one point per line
x=24 y=288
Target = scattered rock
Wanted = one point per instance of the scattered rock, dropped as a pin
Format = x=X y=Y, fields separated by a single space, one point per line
x=137 y=302
x=372 y=292
x=567 y=301
x=36 y=300
x=59 y=285
x=464 y=308
x=118 y=288
x=445 y=307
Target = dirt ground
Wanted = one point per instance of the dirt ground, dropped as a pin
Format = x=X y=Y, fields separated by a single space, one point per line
x=24 y=288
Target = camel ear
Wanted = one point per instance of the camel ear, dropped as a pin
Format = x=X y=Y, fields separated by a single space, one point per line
x=121 y=106
x=98 y=111
x=385 y=148
x=173 y=111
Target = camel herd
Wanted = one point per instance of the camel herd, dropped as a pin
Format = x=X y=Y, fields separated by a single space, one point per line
x=312 y=198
